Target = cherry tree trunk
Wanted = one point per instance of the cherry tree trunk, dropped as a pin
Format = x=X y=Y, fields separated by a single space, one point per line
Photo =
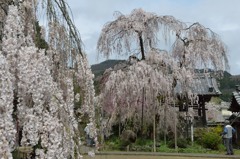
x=141 y=45
x=165 y=125
x=175 y=127
x=154 y=133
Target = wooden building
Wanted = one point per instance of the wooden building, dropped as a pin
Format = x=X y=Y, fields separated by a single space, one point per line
x=205 y=87
x=235 y=117
x=235 y=101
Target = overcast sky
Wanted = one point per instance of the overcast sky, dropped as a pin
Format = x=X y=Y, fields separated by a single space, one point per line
x=221 y=16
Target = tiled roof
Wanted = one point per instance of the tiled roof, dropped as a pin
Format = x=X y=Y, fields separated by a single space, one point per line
x=206 y=86
x=202 y=86
x=235 y=102
x=236 y=95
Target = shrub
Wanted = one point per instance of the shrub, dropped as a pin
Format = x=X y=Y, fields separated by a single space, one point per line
x=211 y=140
x=198 y=135
x=142 y=144
x=216 y=100
x=113 y=143
x=218 y=129
x=181 y=143
x=128 y=137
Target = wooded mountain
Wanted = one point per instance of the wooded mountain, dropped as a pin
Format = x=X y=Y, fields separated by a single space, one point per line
x=98 y=69
x=227 y=83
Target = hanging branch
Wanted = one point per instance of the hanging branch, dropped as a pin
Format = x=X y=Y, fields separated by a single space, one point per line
x=74 y=34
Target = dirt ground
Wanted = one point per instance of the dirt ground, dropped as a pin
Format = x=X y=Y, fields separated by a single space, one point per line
x=140 y=157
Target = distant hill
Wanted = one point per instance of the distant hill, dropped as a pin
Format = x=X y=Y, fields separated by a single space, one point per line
x=227 y=82
x=228 y=85
x=235 y=78
x=98 y=69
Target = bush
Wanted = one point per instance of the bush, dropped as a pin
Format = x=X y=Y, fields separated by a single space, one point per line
x=216 y=100
x=181 y=143
x=195 y=148
x=113 y=143
x=218 y=129
x=165 y=148
x=211 y=140
x=205 y=135
x=142 y=142
x=128 y=137
x=198 y=135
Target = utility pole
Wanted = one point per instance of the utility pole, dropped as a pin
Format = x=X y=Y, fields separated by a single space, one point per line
x=143 y=102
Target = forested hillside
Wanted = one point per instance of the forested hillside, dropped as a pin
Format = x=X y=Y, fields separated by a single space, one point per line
x=227 y=82
x=98 y=69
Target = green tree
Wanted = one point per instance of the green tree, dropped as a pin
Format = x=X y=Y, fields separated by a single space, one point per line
x=39 y=40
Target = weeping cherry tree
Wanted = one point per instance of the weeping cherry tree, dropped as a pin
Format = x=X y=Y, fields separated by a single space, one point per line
x=142 y=34
x=37 y=86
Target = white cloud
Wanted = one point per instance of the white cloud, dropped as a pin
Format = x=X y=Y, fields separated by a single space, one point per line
x=235 y=68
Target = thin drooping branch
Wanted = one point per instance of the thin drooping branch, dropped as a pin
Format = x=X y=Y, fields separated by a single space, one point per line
x=138 y=30
x=200 y=47
x=72 y=28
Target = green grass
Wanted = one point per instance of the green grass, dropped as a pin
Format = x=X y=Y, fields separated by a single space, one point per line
x=195 y=148
x=141 y=157
x=147 y=146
